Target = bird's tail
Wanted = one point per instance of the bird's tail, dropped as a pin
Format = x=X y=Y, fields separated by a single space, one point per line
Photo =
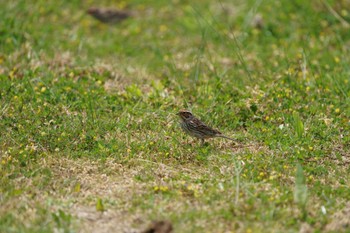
x=223 y=136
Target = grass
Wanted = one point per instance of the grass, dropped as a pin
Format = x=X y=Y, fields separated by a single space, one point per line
x=89 y=136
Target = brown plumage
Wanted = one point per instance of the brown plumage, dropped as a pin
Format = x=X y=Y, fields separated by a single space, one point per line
x=106 y=15
x=196 y=128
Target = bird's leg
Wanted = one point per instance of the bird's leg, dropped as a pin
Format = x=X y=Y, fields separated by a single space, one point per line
x=202 y=141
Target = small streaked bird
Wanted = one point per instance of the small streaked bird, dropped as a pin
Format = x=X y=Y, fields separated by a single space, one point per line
x=196 y=128
x=107 y=15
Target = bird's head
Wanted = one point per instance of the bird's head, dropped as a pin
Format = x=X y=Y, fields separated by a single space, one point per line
x=93 y=10
x=184 y=114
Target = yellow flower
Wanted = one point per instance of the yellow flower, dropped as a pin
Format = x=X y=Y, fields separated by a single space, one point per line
x=12 y=74
x=160 y=188
x=290 y=71
x=121 y=4
x=255 y=32
x=344 y=12
x=324 y=23
x=163 y=28
x=337 y=110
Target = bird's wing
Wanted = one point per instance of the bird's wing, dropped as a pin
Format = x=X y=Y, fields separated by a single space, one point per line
x=200 y=126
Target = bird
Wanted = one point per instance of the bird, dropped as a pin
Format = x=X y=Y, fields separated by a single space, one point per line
x=196 y=128
x=107 y=15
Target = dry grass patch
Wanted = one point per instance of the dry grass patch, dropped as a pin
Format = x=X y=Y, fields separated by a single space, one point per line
x=340 y=221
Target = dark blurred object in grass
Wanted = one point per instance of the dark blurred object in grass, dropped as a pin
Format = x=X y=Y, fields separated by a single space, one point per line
x=258 y=22
x=159 y=227
x=108 y=15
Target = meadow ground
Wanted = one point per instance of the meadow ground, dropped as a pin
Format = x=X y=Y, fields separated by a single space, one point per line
x=89 y=137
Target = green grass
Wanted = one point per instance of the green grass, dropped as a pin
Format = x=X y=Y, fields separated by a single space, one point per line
x=88 y=124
